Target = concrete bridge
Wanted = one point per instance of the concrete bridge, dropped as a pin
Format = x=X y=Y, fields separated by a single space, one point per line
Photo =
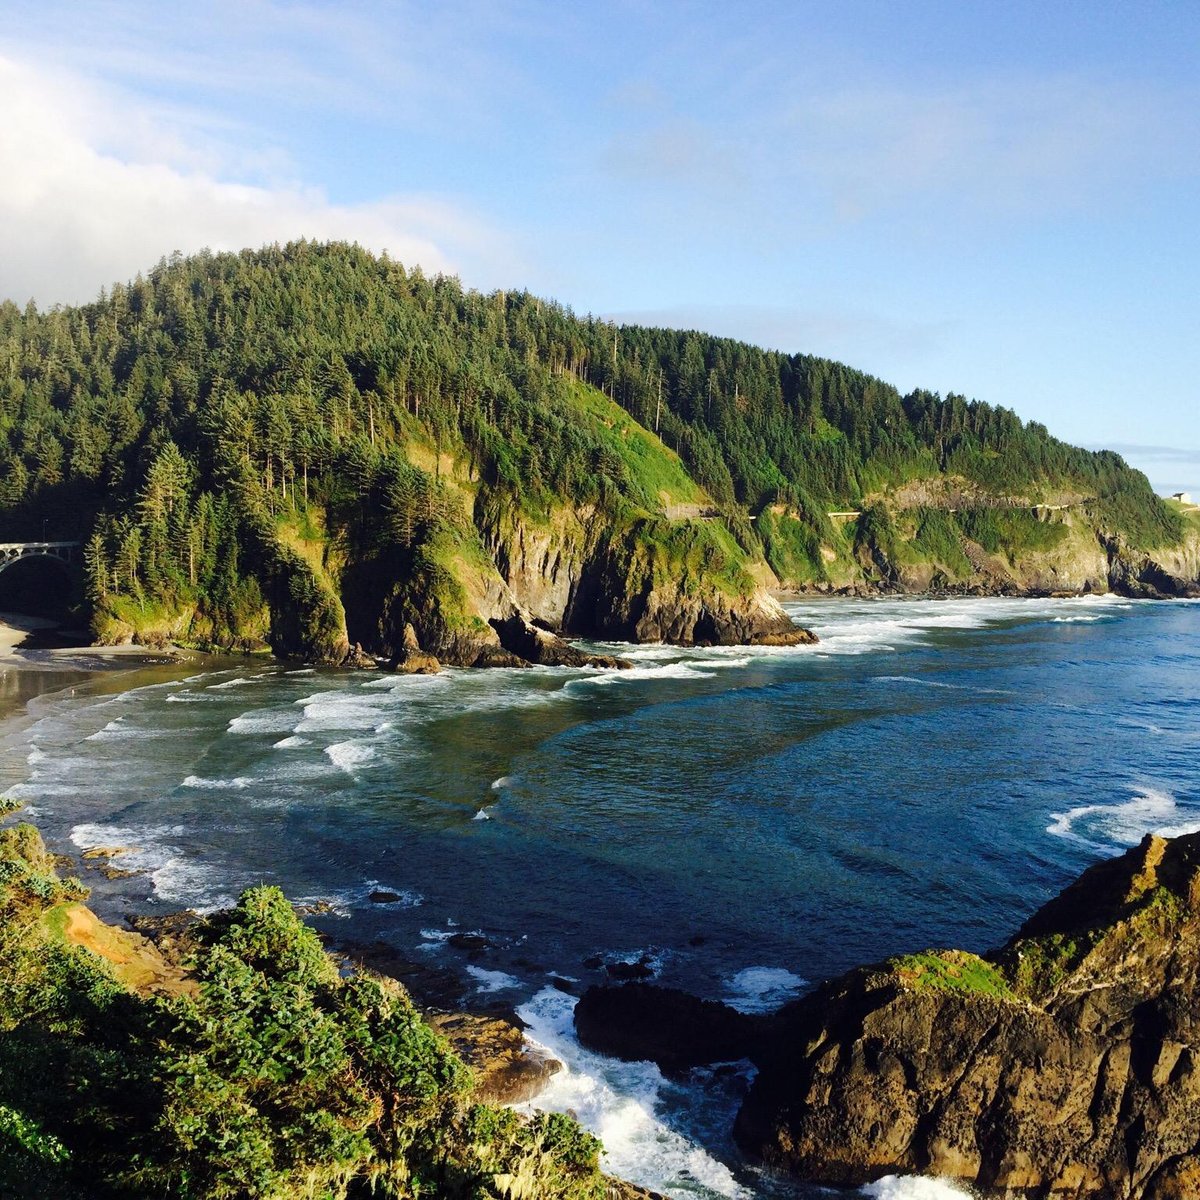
x=67 y=553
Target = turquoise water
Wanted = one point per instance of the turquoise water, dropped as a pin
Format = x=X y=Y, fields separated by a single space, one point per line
x=745 y=819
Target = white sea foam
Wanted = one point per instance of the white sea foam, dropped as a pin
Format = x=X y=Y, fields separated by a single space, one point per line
x=501 y=783
x=217 y=785
x=34 y=756
x=118 y=731
x=618 y=1102
x=349 y=756
x=177 y=878
x=343 y=901
x=330 y=711
x=264 y=720
x=762 y=989
x=192 y=698
x=291 y=743
x=38 y=789
x=191 y=882
x=238 y=681
x=481 y=815
x=1116 y=826
x=913 y=1187
x=673 y=670
x=864 y=626
x=487 y=982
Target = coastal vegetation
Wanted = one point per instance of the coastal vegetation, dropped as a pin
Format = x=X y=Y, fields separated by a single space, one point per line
x=306 y=446
x=265 y=1071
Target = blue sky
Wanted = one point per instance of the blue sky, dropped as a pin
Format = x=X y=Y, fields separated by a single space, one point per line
x=998 y=199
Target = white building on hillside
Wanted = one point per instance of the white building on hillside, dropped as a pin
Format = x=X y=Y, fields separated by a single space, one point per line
x=1182 y=497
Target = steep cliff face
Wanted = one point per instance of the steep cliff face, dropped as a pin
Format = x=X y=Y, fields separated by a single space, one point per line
x=1164 y=571
x=1064 y=1066
x=987 y=549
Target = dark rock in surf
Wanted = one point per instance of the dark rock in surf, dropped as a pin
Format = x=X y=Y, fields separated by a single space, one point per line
x=642 y=1022
x=410 y=659
x=357 y=659
x=497 y=656
x=469 y=941
x=622 y=970
x=523 y=638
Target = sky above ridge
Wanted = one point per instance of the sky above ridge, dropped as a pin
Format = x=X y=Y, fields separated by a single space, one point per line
x=997 y=199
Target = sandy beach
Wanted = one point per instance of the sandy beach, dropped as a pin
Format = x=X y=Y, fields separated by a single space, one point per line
x=33 y=671
x=14 y=629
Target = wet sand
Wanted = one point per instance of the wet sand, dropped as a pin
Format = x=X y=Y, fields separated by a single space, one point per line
x=37 y=658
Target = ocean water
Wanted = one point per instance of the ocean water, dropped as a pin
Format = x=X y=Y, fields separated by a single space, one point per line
x=746 y=820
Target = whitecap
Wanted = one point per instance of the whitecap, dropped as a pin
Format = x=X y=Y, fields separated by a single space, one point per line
x=673 y=670
x=487 y=982
x=327 y=711
x=348 y=756
x=913 y=1187
x=191 y=882
x=481 y=815
x=264 y=720
x=290 y=743
x=503 y=782
x=618 y=1101
x=235 y=682
x=1117 y=826
x=762 y=989
x=116 y=732
x=176 y=877
x=219 y=785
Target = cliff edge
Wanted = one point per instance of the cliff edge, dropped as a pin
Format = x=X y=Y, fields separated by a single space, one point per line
x=1062 y=1065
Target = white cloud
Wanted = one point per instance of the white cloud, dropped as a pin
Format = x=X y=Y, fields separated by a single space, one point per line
x=95 y=187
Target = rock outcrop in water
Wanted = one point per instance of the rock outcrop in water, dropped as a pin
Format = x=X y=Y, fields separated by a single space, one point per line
x=1064 y=1065
x=641 y=1021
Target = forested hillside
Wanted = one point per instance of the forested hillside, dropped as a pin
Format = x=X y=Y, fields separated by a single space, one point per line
x=308 y=445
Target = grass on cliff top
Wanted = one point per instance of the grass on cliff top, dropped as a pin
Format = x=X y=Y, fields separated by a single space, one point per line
x=1036 y=966
x=1189 y=512
x=951 y=971
x=694 y=556
x=656 y=471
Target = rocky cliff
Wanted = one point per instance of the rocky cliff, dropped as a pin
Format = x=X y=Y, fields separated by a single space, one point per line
x=918 y=542
x=1064 y=1065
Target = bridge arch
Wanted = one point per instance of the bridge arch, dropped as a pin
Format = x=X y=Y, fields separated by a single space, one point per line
x=40 y=578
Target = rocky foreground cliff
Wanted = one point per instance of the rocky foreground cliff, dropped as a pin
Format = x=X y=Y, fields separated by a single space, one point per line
x=1063 y=1065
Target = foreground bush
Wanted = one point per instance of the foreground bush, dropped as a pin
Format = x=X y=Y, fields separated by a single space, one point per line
x=274 y=1079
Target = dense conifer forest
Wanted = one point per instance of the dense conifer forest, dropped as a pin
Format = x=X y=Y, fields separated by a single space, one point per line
x=203 y=427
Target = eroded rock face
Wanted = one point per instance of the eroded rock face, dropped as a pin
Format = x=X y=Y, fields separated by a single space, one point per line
x=1063 y=1067
x=508 y=1069
x=410 y=659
